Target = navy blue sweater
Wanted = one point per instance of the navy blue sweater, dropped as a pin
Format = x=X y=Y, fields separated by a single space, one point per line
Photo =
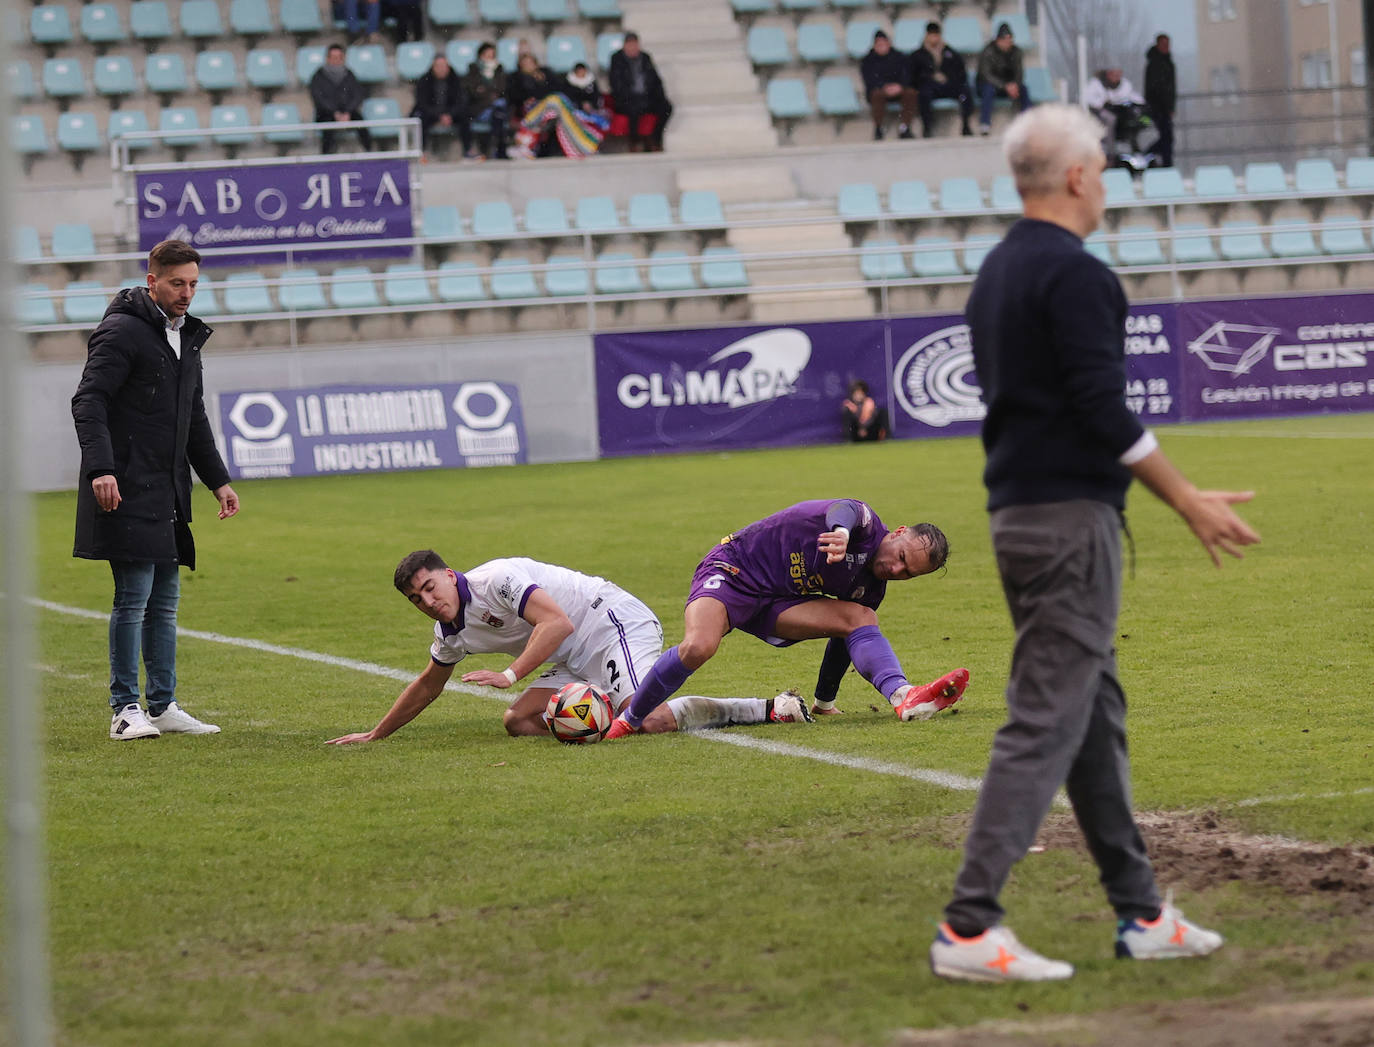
x=1048 y=322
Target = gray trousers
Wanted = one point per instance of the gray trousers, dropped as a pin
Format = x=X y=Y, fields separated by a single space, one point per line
x=1061 y=571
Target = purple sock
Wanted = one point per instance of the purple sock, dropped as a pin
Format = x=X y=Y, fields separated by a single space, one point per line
x=876 y=661
x=666 y=676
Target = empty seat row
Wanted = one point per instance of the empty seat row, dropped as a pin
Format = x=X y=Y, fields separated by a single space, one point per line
x=548 y=216
x=931 y=257
x=912 y=198
x=817 y=43
x=1217 y=183
x=1195 y=243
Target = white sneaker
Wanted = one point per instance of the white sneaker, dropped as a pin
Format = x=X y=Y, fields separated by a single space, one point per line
x=176 y=720
x=1166 y=937
x=789 y=707
x=131 y=722
x=993 y=956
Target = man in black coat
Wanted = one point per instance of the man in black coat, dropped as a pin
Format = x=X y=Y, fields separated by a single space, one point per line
x=338 y=98
x=1161 y=95
x=141 y=422
x=938 y=71
x=886 y=75
x=637 y=90
x=441 y=104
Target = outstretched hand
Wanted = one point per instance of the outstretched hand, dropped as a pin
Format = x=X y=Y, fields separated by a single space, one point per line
x=349 y=739
x=486 y=676
x=1217 y=525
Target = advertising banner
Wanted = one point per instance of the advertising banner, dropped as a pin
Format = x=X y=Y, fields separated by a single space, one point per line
x=278 y=206
x=1277 y=356
x=359 y=429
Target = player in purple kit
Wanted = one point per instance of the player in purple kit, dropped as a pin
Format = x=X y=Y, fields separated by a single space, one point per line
x=816 y=569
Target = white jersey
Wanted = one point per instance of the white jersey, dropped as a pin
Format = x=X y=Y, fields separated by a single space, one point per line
x=615 y=637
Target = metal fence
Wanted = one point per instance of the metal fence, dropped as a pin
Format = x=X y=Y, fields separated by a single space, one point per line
x=1281 y=124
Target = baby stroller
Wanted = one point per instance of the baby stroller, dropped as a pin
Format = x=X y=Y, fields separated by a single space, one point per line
x=1136 y=140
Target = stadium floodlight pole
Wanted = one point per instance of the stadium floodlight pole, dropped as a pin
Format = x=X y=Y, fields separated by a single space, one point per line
x=26 y=951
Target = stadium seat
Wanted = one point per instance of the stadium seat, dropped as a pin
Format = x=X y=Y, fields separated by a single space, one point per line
x=405 y=284
x=308 y=60
x=1267 y=179
x=181 y=118
x=933 y=256
x=200 y=20
x=960 y=194
x=1097 y=246
x=149 y=21
x=1343 y=236
x=1212 y=181
x=461 y=54
x=21 y=82
x=607 y=44
x=882 y=259
x=1241 y=242
x=493 y=220
x=787 y=101
x=63 y=79
x=547 y=12
x=909 y=198
x=113 y=76
x=908 y=34
x=383 y=108
x=566 y=276
x=766 y=47
x=747 y=10
x=353 y=287
x=368 y=63
x=837 y=98
x=460 y=282
x=976 y=248
x=1120 y=186
x=1039 y=84
x=207 y=298
x=251 y=18
x=301 y=17
x=700 y=209
x=1359 y=173
x=816 y=44
x=72 y=240
x=1004 y=196
x=858 y=37
x=445 y=14
x=846 y=8
x=499 y=12
x=414 y=59
x=1193 y=244
x=217 y=73
x=85 y=301
x=965 y=34
x=546 y=214
x=596 y=214
x=26 y=245
x=1020 y=29
x=33 y=307
x=78 y=134
x=1292 y=238
x=800 y=7
x=282 y=115
x=441 y=222
x=28 y=137
x=100 y=25
x=301 y=291
x=1313 y=177
x=617 y=273
x=508 y=52
x=228 y=123
x=648 y=211
x=245 y=294
x=721 y=269
x=858 y=202
x=50 y=25
x=165 y=74
x=1162 y=183
x=1139 y=245
x=670 y=271
x=265 y=70
x=131 y=125
x=599 y=10
x=513 y=278
x=564 y=52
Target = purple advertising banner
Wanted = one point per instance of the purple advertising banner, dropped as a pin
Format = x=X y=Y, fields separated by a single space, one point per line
x=279 y=206
x=1277 y=356
x=359 y=429
x=662 y=391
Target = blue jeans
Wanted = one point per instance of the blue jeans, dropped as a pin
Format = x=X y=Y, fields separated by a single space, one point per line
x=987 y=93
x=374 y=16
x=144 y=620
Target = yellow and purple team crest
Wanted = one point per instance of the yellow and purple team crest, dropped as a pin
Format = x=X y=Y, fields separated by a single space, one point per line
x=579 y=714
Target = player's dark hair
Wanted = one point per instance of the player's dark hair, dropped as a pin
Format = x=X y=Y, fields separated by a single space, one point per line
x=169 y=254
x=935 y=538
x=419 y=560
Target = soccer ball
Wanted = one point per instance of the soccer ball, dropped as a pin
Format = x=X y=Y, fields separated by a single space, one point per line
x=579 y=714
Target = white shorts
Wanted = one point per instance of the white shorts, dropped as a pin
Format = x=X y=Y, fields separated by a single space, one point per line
x=616 y=653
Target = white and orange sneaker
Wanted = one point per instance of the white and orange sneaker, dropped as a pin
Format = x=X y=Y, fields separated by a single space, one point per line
x=620 y=727
x=921 y=703
x=993 y=956
x=1168 y=936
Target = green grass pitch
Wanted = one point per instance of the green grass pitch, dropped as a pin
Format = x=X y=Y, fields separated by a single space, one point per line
x=453 y=885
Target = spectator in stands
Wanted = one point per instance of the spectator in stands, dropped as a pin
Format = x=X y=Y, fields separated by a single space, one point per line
x=864 y=420
x=637 y=90
x=887 y=78
x=1161 y=95
x=1001 y=74
x=357 y=33
x=581 y=89
x=410 y=19
x=1108 y=95
x=440 y=104
x=485 y=87
x=338 y=98
x=938 y=71
x=529 y=83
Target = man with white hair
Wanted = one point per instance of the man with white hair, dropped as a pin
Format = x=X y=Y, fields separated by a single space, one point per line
x=1047 y=321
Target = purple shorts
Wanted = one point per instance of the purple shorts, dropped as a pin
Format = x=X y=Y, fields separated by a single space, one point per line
x=748 y=611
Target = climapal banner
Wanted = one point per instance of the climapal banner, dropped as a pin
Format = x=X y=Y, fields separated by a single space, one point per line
x=365 y=428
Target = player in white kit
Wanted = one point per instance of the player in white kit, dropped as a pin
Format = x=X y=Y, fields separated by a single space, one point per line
x=586 y=628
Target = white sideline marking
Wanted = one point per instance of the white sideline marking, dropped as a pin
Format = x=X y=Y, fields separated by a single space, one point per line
x=1270 y=434
x=1257 y=801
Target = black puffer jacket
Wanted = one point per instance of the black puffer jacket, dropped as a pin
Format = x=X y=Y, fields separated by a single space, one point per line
x=140 y=416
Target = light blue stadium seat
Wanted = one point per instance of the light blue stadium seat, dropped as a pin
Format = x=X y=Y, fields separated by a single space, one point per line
x=27 y=247
x=816 y=43
x=1265 y=178
x=909 y=198
x=301 y=291
x=353 y=287
x=251 y=18
x=281 y=115
x=149 y=21
x=445 y=14
x=965 y=34
x=566 y=276
x=28 y=137
x=461 y=54
x=460 y=282
x=747 y=10
x=1290 y=238
x=1020 y=28
x=100 y=24
x=858 y=202
x=1214 y=181
x=1162 y=183
x=228 y=123
x=78 y=133
x=787 y=99
x=1139 y=246
x=1193 y=244
x=33 y=306
x=671 y=271
x=63 y=78
x=546 y=214
x=405 y=284
x=800 y=7
x=908 y=34
x=933 y=257
x=301 y=17
x=1241 y=242
x=846 y=8
x=1359 y=173
x=414 y=59
x=513 y=278
x=1343 y=236
x=113 y=76
x=596 y=214
x=976 y=248
x=617 y=272
x=308 y=60
x=508 y=52
x=246 y=294
x=368 y=62
x=766 y=46
x=85 y=301
x=50 y=25
x=836 y=96
x=207 y=297
x=607 y=44
x=383 y=109
x=1314 y=177
x=858 y=36
x=722 y=269
x=1119 y=184
x=960 y=194
x=217 y=72
x=265 y=70
x=132 y=126
x=882 y=259
x=599 y=10
x=441 y=222
x=564 y=52
x=165 y=74
x=1004 y=196
x=499 y=12
x=649 y=211
x=181 y=118
x=700 y=209
x=200 y=20
x=547 y=12
x=72 y=240
x=1039 y=84
x=493 y=220
x=22 y=85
